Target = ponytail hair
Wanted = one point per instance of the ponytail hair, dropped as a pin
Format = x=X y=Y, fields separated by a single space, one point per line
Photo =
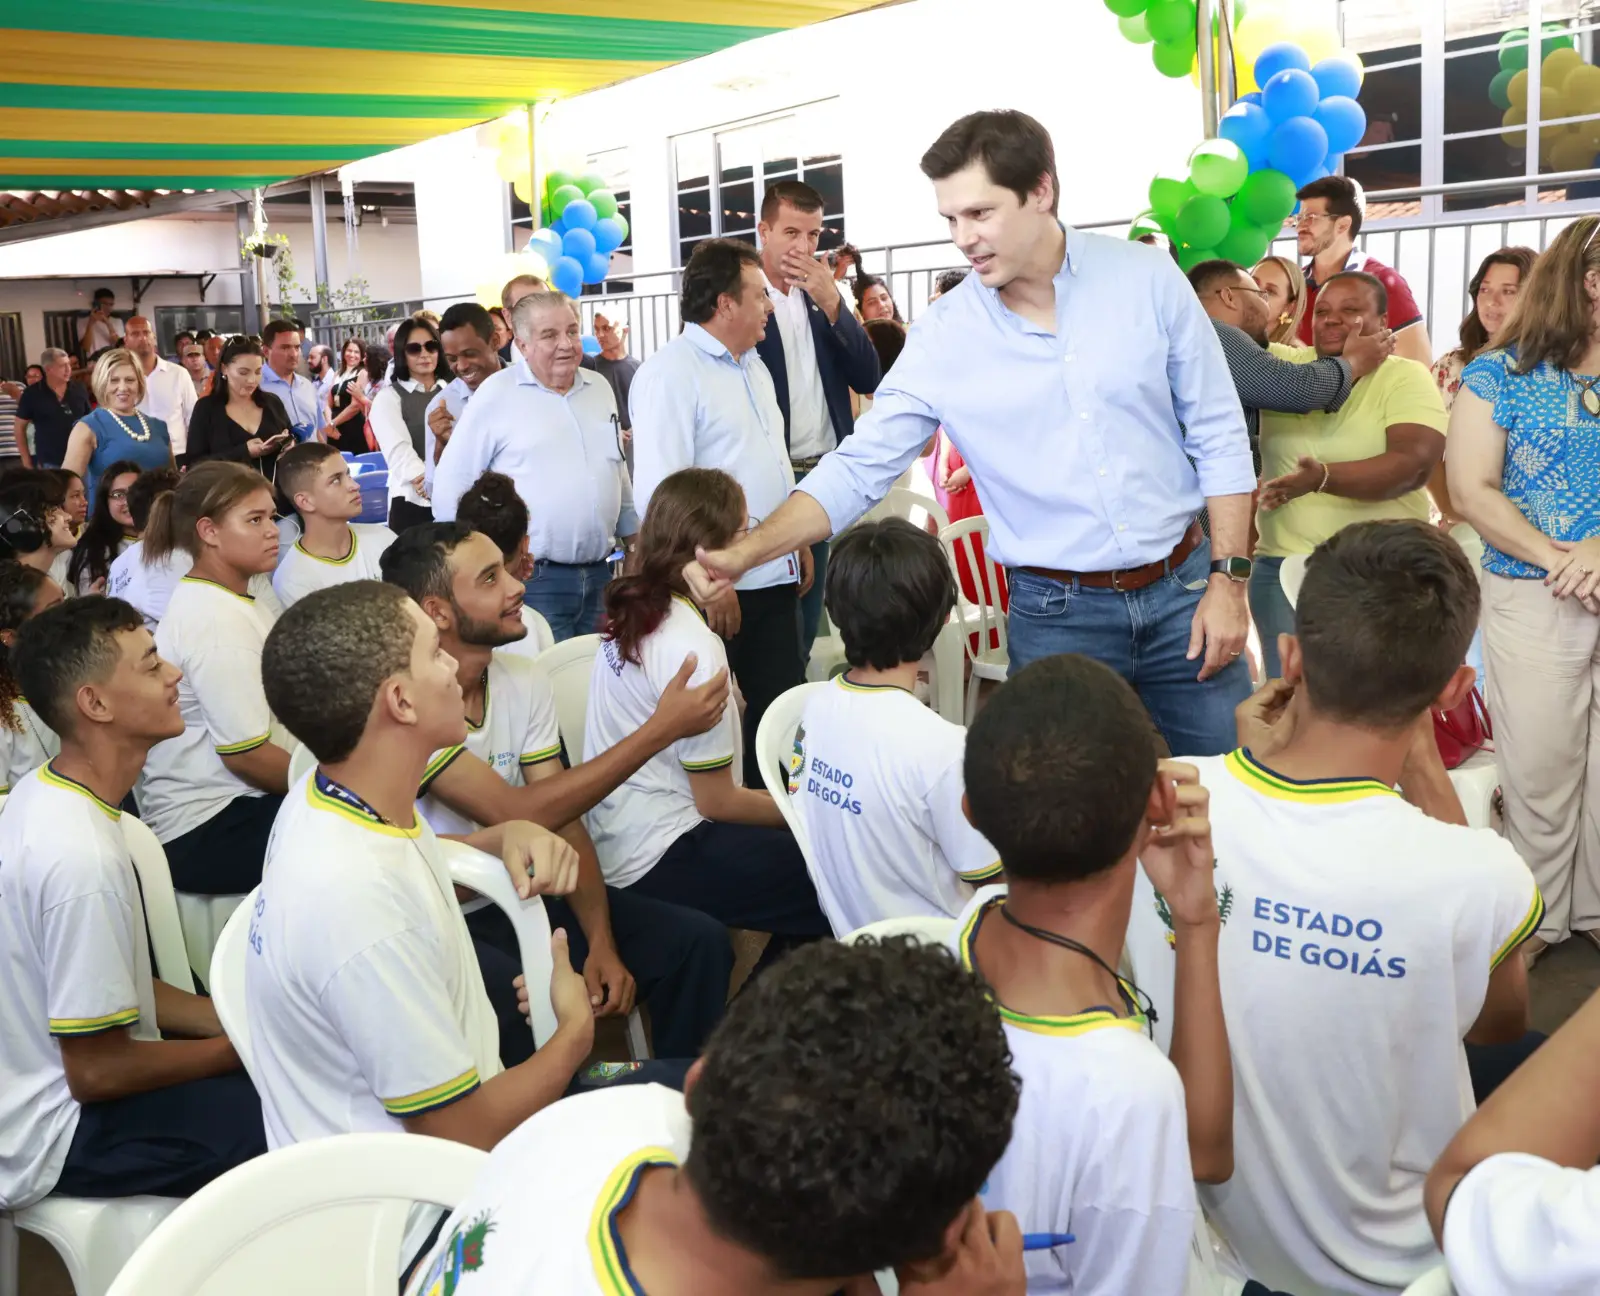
x=234 y=348
x=210 y=489
x=19 y=591
x=693 y=507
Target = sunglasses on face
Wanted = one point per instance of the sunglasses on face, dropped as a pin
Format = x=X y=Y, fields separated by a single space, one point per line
x=417 y=348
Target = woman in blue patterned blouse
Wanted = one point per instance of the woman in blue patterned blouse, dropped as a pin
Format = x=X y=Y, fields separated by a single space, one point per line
x=1524 y=469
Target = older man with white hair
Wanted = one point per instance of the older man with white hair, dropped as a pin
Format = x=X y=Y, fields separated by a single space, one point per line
x=552 y=428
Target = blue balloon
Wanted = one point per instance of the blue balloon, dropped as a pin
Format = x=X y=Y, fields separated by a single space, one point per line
x=1337 y=76
x=1291 y=93
x=1248 y=126
x=577 y=244
x=566 y=276
x=1277 y=58
x=579 y=214
x=607 y=234
x=591 y=345
x=596 y=267
x=1344 y=120
x=1297 y=147
x=1254 y=97
x=546 y=242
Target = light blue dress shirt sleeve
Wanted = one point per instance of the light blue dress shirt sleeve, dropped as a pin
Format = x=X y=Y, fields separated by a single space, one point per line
x=466 y=454
x=662 y=406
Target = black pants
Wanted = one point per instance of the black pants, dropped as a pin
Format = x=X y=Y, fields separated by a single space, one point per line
x=745 y=876
x=224 y=855
x=680 y=958
x=403 y=515
x=765 y=658
x=169 y=1142
x=1491 y=1065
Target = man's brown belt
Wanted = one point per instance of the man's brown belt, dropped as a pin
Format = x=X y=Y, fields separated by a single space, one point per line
x=1130 y=578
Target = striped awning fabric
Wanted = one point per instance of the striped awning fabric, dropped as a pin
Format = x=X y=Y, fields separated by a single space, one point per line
x=213 y=94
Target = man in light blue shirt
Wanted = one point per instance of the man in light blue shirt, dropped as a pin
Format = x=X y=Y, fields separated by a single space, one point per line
x=467 y=334
x=280 y=342
x=552 y=428
x=705 y=400
x=1084 y=385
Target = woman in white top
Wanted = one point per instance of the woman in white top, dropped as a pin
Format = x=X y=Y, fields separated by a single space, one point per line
x=399 y=420
x=26 y=742
x=682 y=829
x=210 y=796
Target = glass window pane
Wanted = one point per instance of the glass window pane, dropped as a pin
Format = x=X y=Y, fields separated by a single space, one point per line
x=738 y=206
x=686 y=250
x=1371 y=25
x=1467 y=106
x=1393 y=100
x=829 y=182
x=694 y=215
x=1569 y=146
x=733 y=174
x=1483 y=157
x=773 y=172
x=693 y=157
x=832 y=233
x=1391 y=168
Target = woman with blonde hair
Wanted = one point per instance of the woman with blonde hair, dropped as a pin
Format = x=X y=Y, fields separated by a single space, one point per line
x=1524 y=470
x=210 y=796
x=118 y=430
x=1285 y=286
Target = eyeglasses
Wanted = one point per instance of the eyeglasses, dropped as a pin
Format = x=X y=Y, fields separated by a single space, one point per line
x=417 y=348
x=1305 y=218
x=1259 y=292
x=119 y=494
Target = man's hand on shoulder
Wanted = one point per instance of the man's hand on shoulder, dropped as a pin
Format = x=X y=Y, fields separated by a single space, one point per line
x=1364 y=352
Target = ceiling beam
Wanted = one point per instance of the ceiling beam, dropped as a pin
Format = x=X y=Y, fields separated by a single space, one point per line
x=154 y=205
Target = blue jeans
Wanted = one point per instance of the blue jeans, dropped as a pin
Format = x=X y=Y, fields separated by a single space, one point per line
x=570 y=597
x=1143 y=635
x=1270 y=610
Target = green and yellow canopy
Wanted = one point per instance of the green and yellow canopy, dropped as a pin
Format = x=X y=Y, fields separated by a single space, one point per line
x=212 y=94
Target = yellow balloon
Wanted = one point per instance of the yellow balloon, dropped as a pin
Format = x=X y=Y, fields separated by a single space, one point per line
x=1254 y=34
x=1558 y=63
x=1589 y=133
x=522 y=186
x=1550 y=103
x=1514 y=116
x=1318 y=42
x=487 y=294
x=509 y=165
x=1517 y=89
x=1571 y=153
x=1580 y=90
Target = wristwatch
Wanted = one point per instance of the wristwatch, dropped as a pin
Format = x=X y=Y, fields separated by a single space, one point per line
x=1235 y=569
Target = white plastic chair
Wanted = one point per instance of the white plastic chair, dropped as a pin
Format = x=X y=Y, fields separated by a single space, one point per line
x=1436 y=1282
x=160 y=904
x=301 y=763
x=323 y=1218
x=568 y=665
x=227 y=980
x=908 y=504
x=929 y=931
x=991 y=659
x=774 y=748
x=541 y=638
x=1291 y=575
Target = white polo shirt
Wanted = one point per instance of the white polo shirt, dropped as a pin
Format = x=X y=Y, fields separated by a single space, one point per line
x=1356 y=948
x=300 y=571
x=810 y=426
x=633 y=827
x=694 y=405
x=1099 y=1149
x=519 y=730
x=148 y=586
x=25 y=748
x=563 y=451
x=521 y=1229
x=74 y=961
x=1519 y=1223
x=876 y=777
x=170 y=396
x=361 y=1008
x=214 y=637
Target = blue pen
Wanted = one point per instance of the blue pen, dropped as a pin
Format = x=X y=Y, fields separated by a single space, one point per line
x=1045 y=1241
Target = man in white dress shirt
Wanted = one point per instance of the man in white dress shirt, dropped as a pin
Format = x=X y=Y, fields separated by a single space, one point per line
x=168 y=390
x=705 y=400
x=552 y=428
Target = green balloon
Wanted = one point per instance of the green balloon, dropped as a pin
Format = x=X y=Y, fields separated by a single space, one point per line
x=1239 y=12
x=1171 y=21
x=558 y=180
x=1126 y=8
x=562 y=196
x=1190 y=257
x=1244 y=244
x=1172 y=60
x=1145 y=223
x=1266 y=198
x=1218 y=167
x=1167 y=196
x=1135 y=30
x=1514 y=50
x=605 y=203
x=1203 y=221
x=590 y=181
x=622 y=221
x=1499 y=94
x=1555 y=36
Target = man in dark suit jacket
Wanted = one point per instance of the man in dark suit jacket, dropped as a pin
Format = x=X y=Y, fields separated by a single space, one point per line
x=814 y=348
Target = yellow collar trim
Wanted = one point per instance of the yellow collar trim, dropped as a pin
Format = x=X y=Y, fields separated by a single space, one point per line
x=605 y=1243
x=690 y=604
x=201 y=580
x=331 y=562
x=49 y=776
x=1256 y=776
x=322 y=801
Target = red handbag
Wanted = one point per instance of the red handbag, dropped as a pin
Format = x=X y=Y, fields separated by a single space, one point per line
x=1462 y=732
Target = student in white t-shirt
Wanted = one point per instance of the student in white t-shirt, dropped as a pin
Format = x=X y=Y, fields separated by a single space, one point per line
x=1515 y=1199
x=26 y=741
x=876 y=775
x=760 y=1181
x=367 y=1010
x=314 y=480
x=1366 y=934
x=94 y=1102
x=683 y=829
x=1063 y=775
x=129 y=578
x=491 y=505
x=210 y=795
x=510 y=768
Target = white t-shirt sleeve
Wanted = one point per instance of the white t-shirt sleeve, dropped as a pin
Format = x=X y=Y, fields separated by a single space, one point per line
x=224 y=669
x=89 y=963
x=1519 y=1223
x=542 y=741
x=966 y=850
x=392 y=1011
x=715 y=748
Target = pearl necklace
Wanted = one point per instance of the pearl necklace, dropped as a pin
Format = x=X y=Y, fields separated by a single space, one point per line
x=143 y=434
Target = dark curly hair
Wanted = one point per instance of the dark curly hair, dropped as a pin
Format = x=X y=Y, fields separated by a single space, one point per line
x=491 y=505
x=19 y=594
x=889 y=590
x=852 y=1101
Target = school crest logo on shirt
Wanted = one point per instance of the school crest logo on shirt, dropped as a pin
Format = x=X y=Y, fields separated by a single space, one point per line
x=797 y=760
x=462 y=1255
x=1224 y=908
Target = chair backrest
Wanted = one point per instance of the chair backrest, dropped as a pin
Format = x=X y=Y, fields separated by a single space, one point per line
x=929 y=931
x=227 y=979
x=969 y=538
x=1436 y=1282
x=1291 y=575
x=305 y=1218
x=301 y=763
x=160 y=904
x=914 y=508
x=541 y=638
x=487 y=876
x=568 y=665
x=774 y=751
